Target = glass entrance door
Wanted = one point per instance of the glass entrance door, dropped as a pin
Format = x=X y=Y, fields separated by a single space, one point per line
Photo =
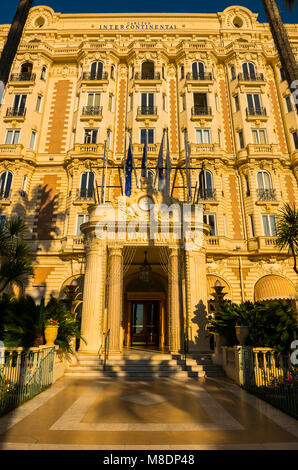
x=145 y=323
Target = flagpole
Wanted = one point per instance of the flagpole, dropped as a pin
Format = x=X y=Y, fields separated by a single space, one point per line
x=107 y=145
x=103 y=173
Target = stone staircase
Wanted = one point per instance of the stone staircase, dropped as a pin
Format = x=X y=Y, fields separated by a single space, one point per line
x=146 y=365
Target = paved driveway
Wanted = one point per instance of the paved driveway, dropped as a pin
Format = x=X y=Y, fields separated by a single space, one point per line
x=149 y=414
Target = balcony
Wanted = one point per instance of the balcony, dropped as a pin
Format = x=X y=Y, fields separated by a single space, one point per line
x=266 y=194
x=5 y=197
x=207 y=195
x=26 y=78
x=85 y=195
x=87 y=76
x=147 y=112
x=15 y=114
x=199 y=112
x=256 y=113
x=251 y=77
x=94 y=112
x=195 y=77
x=147 y=76
x=152 y=150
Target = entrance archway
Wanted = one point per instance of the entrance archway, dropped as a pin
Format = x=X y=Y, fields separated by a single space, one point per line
x=145 y=313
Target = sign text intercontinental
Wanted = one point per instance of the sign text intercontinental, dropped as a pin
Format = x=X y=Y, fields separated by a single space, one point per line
x=136 y=25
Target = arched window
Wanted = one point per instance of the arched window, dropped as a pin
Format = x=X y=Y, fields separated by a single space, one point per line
x=96 y=71
x=249 y=70
x=147 y=70
x=233 y=73
x=5 y=184
x=265 y=189
x=206 y=190
x=26 y=70
x=87 y=185
x=43 y=74
x=198 y=70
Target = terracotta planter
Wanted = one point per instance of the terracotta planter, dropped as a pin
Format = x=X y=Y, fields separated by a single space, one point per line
x=50 y=333
x=242 y=334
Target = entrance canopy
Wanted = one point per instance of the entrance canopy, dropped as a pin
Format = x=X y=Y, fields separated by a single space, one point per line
x=274 y=287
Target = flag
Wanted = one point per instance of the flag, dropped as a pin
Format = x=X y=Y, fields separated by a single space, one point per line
x=159 y=168
x=167 y=186
x=128 y=169
x=144 y=160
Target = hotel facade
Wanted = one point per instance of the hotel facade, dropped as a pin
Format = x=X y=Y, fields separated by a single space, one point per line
x=81 y=88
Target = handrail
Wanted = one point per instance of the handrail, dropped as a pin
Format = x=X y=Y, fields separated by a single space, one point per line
x=106 y=352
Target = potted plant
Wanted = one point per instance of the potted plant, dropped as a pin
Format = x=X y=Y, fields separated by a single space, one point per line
x=241 y=333
x=51 y=331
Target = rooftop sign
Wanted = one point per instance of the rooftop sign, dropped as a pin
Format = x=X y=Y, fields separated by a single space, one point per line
x=137 y=25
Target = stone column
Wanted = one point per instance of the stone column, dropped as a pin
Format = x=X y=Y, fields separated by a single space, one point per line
x=196 y=286
x=174 y=304
x=93 y=297
x=115 y=298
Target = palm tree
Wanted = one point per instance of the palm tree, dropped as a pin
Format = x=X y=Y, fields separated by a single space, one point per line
x=13 y=40
x=287 y=231
x=15 y=256
x=281 y=39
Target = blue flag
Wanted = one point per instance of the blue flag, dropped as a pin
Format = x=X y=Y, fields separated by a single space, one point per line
x=167 y=186
x=128 y=170
x=144 y=160
x=159 y=168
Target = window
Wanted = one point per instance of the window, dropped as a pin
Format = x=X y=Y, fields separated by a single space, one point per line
x=288 y=103
x=181 y=72
x=113 y=72
x=90 y=136
x=12 y=137
x=249 y=71
x=259 y=136
x=81 y=219
x=147 y=103
x=282 y=74
x=96 y=71
x=111 y=101
x=210 y=219
x=147 y=70
x=200 y=102
x=236 y=101
x=164 y=102
x=43 y=74
x=26 y=69
x=254 y=103
x=264 y=180
x=19 y=104
x=147 y=135
x=131 y=71
x=252 y=226
x=2 y=220
x=5 y=184
x=93 y=100
x=24 y=185
x=247 y=185
x=269 y=225
x=203 y=136
x=198 y=70
x=216 y=102
x=38 y=103
x=87 y=185
x=295 y=139
x=241 y=139
x=233 y=73
x=183 y=102
x=206 y=190
x=163 y=71
x=32 y=140
x=219 y=137
x=130 y=105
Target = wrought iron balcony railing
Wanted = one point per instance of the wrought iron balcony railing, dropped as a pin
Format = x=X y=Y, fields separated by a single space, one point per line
x=198 y=76
x=5 y=195
x=256 y=112
x=147 y=110
x=15 y=112
x=251 y=77
x=201 y=111
x=266 y=194
x=23 y=77
x=95 y=76
x=92 y=111
x=85 y=194
x=207 y=194
x=147 y=76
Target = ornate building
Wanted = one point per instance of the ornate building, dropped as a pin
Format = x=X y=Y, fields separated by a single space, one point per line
x=81 y=88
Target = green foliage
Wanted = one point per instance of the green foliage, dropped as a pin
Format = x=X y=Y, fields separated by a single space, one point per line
x=287 y=231
x=23 y=322
x=271 y=324
x=15 y=256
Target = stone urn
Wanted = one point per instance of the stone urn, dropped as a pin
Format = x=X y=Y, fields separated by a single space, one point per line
x=241 y=334
x=50 y=333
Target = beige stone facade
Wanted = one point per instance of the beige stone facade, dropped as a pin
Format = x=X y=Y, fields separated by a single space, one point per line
x=81 y=83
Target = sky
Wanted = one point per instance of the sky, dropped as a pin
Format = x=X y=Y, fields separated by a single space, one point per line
x=137 y=6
